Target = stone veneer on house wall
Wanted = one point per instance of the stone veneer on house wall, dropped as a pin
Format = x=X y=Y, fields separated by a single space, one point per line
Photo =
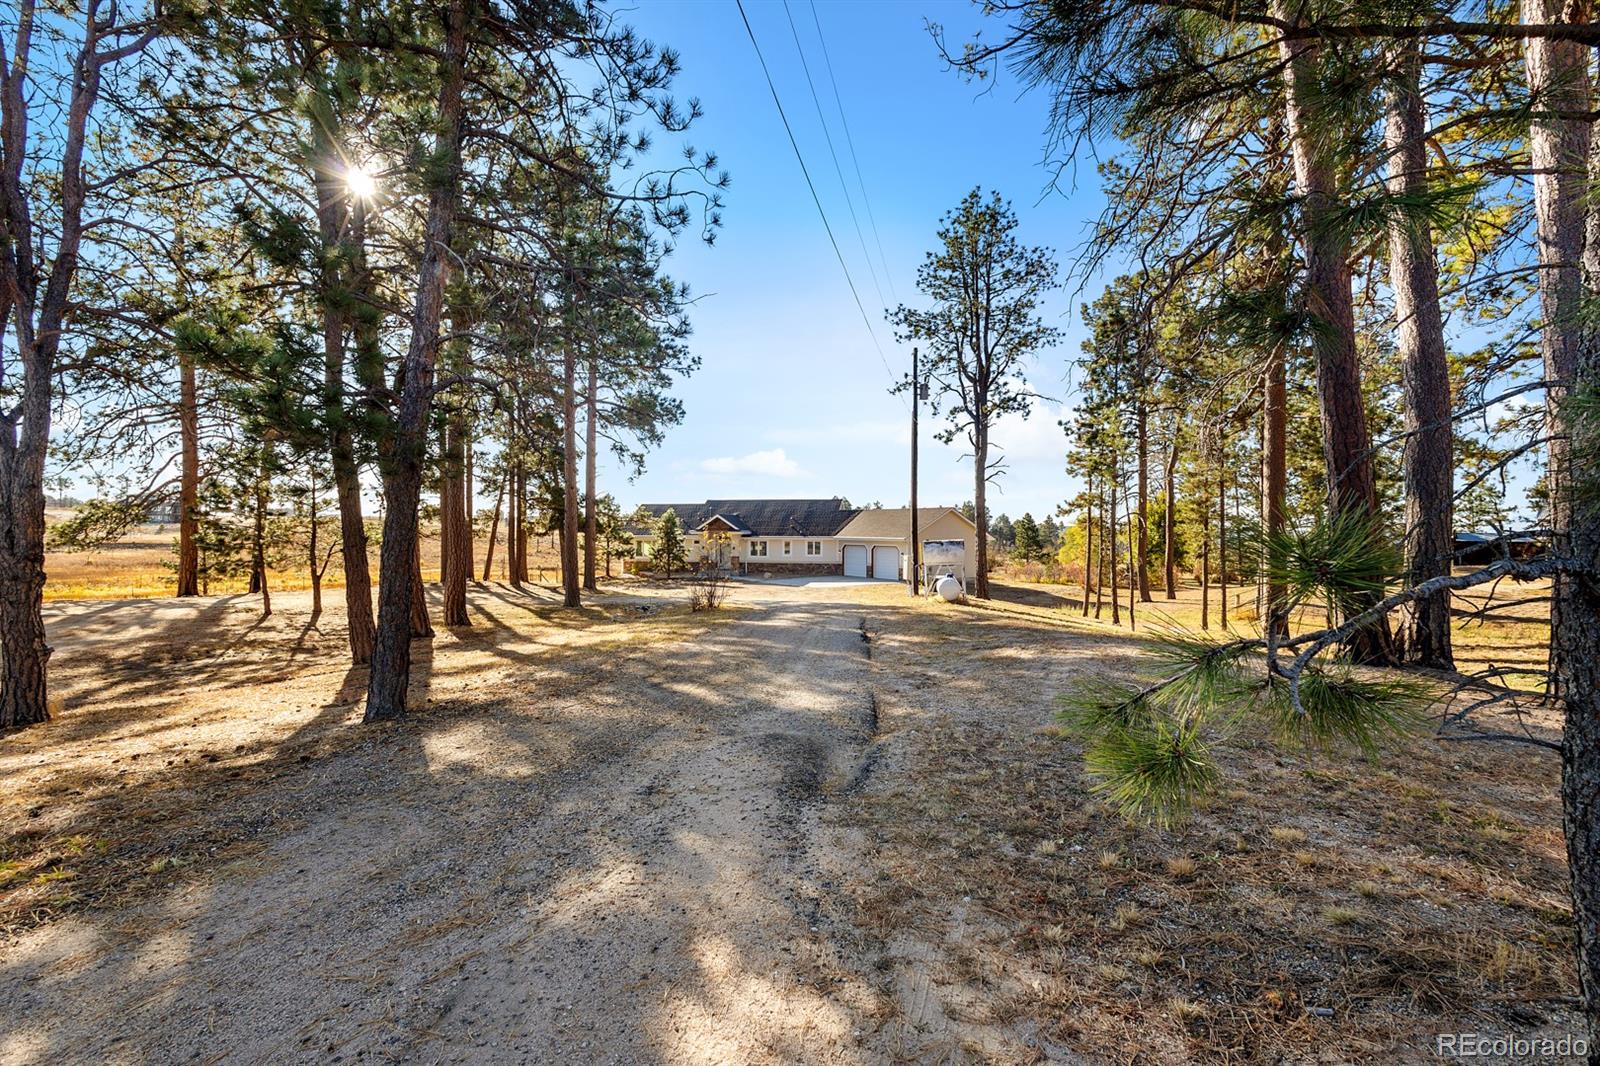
x=792 y=569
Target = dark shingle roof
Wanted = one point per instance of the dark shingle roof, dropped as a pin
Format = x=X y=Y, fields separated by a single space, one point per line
x=763 y=518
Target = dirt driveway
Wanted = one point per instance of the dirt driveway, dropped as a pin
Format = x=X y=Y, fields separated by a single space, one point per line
x=619 y=861
x=631 y=833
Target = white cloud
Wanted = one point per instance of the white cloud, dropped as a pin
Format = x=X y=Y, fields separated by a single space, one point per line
x=1039 y=436
x=774 y=462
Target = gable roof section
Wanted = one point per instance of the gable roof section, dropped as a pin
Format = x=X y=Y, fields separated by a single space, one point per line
x=732 y=522
x=889 y=523
x=761 y=518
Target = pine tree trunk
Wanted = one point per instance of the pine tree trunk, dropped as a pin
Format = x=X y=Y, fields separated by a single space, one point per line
x=421 y=626
x=469 y=550
x=334 y=218
x=1575 y=668
x=1088 y=545
x=36 y=301
x=447 y=514
x=1111 y=544
x=258 y=550
x=514 y=528
x=1429 y=461
x=1141 y=540
x=1100 y=557
x=1558 y=150
x=24 y=652
x=23 y=697
x=397 y=571
x=1132 y=579
x=456 y=561
x=1560 y=144
x=25 y=655
x=591 y=523
x=1346 y=441
x=494 y=525
x=1575 y=646
x=980 y=459
x=455 y=539
x=353 y=550
x=1275 y=468
x=572 y=595
x=518 y=541
x=1222 y=545
x=188 y=478
x=1205 y=564
x=1169 y=549
x=1575 y=660
x=311 y=551
x=311 y=558
x=391 y=657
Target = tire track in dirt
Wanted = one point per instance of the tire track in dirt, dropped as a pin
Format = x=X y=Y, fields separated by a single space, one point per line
x=703 y=854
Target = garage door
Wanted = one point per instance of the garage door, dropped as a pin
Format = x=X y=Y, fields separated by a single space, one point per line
x=855 y=560
x=886 y=563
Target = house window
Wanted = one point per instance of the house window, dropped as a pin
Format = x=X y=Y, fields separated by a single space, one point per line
x=641 y=549
x=786 y=547
x=813 y=547
x=758 y=549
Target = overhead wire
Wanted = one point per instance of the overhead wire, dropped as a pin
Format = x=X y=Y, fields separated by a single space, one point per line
x=806 y=173
x=838 y=170
x=855 y=160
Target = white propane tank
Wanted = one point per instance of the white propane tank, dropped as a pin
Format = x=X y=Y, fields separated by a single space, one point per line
x=949 y=589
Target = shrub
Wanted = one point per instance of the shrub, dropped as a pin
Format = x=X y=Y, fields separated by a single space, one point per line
x=1051 y=572
x=708 y=589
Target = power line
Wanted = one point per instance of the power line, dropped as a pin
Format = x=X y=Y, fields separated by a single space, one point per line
x=854 y=160
x=771 y=87
x=844 y=186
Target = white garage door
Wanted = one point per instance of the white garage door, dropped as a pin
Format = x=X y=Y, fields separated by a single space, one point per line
x=855 y=560
x=886 y=563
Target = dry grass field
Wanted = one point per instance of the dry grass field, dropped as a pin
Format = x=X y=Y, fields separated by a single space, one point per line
x=1321 y=908
x=824 y=824
x=138 y=565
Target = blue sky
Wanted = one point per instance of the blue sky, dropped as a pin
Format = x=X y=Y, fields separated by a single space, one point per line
x=792 y=397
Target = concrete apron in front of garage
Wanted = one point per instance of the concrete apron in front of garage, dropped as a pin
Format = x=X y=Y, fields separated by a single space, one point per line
x=802 y=580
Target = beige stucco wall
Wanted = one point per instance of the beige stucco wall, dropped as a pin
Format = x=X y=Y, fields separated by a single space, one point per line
x=949 y=526
x=741 y=550
x=797 y=550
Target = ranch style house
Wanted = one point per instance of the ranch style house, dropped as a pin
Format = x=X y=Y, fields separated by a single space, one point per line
x=799 y=537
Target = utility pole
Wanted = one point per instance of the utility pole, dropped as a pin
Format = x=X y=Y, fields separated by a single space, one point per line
x=916 y=577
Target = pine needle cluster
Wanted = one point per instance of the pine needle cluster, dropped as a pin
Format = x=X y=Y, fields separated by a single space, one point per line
x=1149 y=747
